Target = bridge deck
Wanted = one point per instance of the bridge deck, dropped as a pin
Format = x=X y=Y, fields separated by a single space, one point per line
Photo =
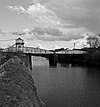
x=37 y=51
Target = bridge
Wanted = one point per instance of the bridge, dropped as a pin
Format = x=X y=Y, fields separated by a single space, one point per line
x=19 y=47
x=27 y=50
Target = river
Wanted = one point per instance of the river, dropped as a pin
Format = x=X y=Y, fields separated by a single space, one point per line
x=66 y=85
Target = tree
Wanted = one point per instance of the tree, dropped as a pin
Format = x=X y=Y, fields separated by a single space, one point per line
x=93 y=41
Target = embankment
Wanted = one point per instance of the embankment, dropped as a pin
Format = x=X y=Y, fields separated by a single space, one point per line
x=89 y=59
x=17 y=87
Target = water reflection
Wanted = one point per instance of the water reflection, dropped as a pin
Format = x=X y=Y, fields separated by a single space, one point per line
x=67 y=85
x=93 y=72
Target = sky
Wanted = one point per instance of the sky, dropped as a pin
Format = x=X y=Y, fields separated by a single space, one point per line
x=49 y=24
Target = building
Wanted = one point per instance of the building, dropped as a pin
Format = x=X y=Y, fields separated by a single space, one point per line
x=19 y=44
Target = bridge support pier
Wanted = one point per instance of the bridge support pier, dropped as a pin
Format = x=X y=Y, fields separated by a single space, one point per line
x=30 y=62
x=53 y=60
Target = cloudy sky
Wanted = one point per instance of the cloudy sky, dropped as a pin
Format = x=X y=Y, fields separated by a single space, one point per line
x=48 y=23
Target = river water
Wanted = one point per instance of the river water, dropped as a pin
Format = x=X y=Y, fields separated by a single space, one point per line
x=66 y=85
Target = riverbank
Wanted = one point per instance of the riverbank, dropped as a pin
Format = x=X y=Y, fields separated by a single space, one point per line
x=17 y=87
x=89 y=59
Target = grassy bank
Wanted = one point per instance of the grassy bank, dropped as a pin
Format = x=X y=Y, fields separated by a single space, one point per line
x=17 y=87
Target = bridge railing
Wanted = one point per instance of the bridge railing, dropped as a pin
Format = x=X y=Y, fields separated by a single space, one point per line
x=71 y=52
x=42 y=51
x=27 y=50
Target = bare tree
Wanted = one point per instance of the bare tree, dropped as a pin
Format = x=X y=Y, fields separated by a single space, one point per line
x=93 y=41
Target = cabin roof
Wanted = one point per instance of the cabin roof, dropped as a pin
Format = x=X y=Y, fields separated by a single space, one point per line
x=19 y=39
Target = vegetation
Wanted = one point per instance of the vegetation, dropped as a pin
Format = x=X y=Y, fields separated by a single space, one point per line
x=17 y=87
x=93 y=41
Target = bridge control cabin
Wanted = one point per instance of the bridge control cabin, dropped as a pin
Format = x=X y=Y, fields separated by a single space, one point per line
x=19 y=44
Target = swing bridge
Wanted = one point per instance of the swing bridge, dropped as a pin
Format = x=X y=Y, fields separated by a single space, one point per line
x=19 y=47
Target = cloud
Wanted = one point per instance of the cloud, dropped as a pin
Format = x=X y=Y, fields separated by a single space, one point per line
x=47 y=30
x=53 y=47
x=61 y=34
x=40 y=46
x=39 y=13
x=3 y=33
x=18 y=33
x=56 y=20
x=51 y=34
x=83 y=13
x=69 y=10
x=19 y=9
